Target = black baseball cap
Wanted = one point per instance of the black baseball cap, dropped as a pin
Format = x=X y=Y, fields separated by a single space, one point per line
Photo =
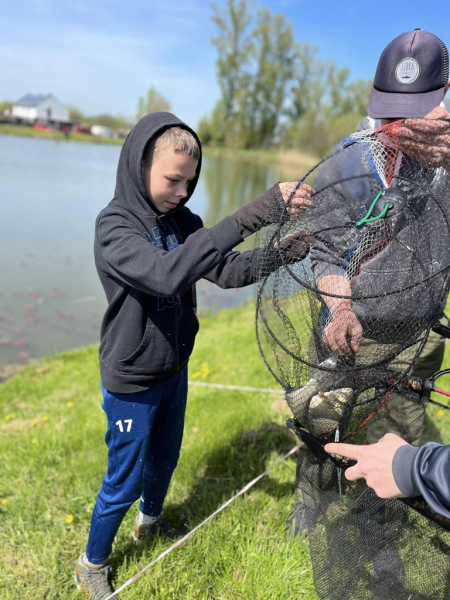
x=411 y=76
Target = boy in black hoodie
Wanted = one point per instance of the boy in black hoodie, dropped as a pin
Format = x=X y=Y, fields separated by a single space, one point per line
x=150 y=249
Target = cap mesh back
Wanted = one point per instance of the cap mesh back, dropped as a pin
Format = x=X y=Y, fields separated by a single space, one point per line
x=445 y=65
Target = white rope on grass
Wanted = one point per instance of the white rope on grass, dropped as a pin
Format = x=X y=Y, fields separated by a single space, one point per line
x=188 y=535
x=239 y=388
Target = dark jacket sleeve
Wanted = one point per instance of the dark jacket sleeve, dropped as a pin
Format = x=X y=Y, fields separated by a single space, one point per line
x=425 y=472
x=235 y=270
x=153 y=270
x=264 y=210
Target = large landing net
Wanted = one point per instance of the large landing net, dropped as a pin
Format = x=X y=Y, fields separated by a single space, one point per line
x=341 y=331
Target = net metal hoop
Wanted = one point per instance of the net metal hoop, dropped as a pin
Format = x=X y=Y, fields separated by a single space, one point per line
x=417 y=339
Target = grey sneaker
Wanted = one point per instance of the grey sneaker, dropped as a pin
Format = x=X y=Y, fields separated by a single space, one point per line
x=297 y=524
x=159 y=527
x=93 y=582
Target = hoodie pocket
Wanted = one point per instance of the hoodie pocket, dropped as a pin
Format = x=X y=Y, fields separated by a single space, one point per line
x=153 y=356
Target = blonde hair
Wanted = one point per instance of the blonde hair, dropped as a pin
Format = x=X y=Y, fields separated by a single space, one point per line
x=174 y=138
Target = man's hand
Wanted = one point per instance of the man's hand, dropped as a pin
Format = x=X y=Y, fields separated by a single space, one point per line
x=438 y=113
x=344 y=333
x=295 y=246
x=427 y=140
x=374 y=464
x=301 y=198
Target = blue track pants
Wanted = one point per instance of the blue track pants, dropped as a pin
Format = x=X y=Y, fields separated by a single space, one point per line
x=144 y=433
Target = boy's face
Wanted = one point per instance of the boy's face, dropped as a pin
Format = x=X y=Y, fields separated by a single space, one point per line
x=167 y=180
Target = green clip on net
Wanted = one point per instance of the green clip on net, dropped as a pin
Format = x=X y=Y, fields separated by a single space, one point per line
x=366 y=219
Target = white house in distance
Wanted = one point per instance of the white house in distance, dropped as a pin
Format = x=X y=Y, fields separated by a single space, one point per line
x=40 y=107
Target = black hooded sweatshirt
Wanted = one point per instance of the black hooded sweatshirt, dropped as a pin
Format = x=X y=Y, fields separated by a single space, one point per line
x=148 y=263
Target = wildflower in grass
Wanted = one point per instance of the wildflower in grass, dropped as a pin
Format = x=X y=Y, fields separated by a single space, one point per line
x=33 y=423
x=69 y=518
x=4 y=502
x=9 y=417
x=32 y=405
x=440 y=413
x=34 y=441
x=45 y=418
x=69 y=404
x=203 y=372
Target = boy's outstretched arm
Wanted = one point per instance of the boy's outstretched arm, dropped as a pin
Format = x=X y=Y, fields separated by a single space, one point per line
x=238 y=269
x=139 y=264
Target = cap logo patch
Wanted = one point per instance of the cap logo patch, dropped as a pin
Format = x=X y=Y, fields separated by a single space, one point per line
x=407 y=70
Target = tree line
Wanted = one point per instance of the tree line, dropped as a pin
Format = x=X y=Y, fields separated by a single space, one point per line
x=275 y=90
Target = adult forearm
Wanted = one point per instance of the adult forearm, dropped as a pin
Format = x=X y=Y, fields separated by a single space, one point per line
x=338 y=286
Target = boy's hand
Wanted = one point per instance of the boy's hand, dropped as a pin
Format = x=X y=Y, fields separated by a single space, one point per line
x=427 y=140
x=295 y=246
x=374 y=464
x=301 y=198
x=344 y=333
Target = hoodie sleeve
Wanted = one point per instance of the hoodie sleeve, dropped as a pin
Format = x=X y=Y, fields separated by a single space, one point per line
x=252 y=216
x=139 y=264
x=425 y=471
x=235 y=270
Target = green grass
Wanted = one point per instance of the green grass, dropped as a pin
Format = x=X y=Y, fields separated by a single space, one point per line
x=54 y=458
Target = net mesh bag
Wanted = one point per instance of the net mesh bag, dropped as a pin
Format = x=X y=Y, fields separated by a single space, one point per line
x=347 y=293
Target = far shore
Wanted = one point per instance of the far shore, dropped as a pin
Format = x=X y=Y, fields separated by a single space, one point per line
x=287 y=159
x=24 y=131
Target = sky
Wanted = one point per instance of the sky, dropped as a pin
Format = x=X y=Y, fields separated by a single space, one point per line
x=101 y=56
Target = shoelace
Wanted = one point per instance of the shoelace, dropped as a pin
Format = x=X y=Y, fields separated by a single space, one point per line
x=98 y=584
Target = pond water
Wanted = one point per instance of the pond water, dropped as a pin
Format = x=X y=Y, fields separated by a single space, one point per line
x=50 y=194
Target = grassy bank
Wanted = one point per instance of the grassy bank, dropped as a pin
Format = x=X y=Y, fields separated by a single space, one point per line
x=54 y=458
x=290 y=163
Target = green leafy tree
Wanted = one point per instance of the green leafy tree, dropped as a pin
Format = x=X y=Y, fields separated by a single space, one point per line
x=308 y=87
x=359 y=91
x=234 y=45
x=255 y=67
x=75 y=114
x=275 y=59
x=154 y=102
x=6 y=105
x=275 y=90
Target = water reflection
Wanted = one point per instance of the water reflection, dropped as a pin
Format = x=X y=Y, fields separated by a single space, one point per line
x=233 y=183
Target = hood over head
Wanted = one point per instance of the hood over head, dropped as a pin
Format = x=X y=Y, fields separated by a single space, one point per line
x=130 y=189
